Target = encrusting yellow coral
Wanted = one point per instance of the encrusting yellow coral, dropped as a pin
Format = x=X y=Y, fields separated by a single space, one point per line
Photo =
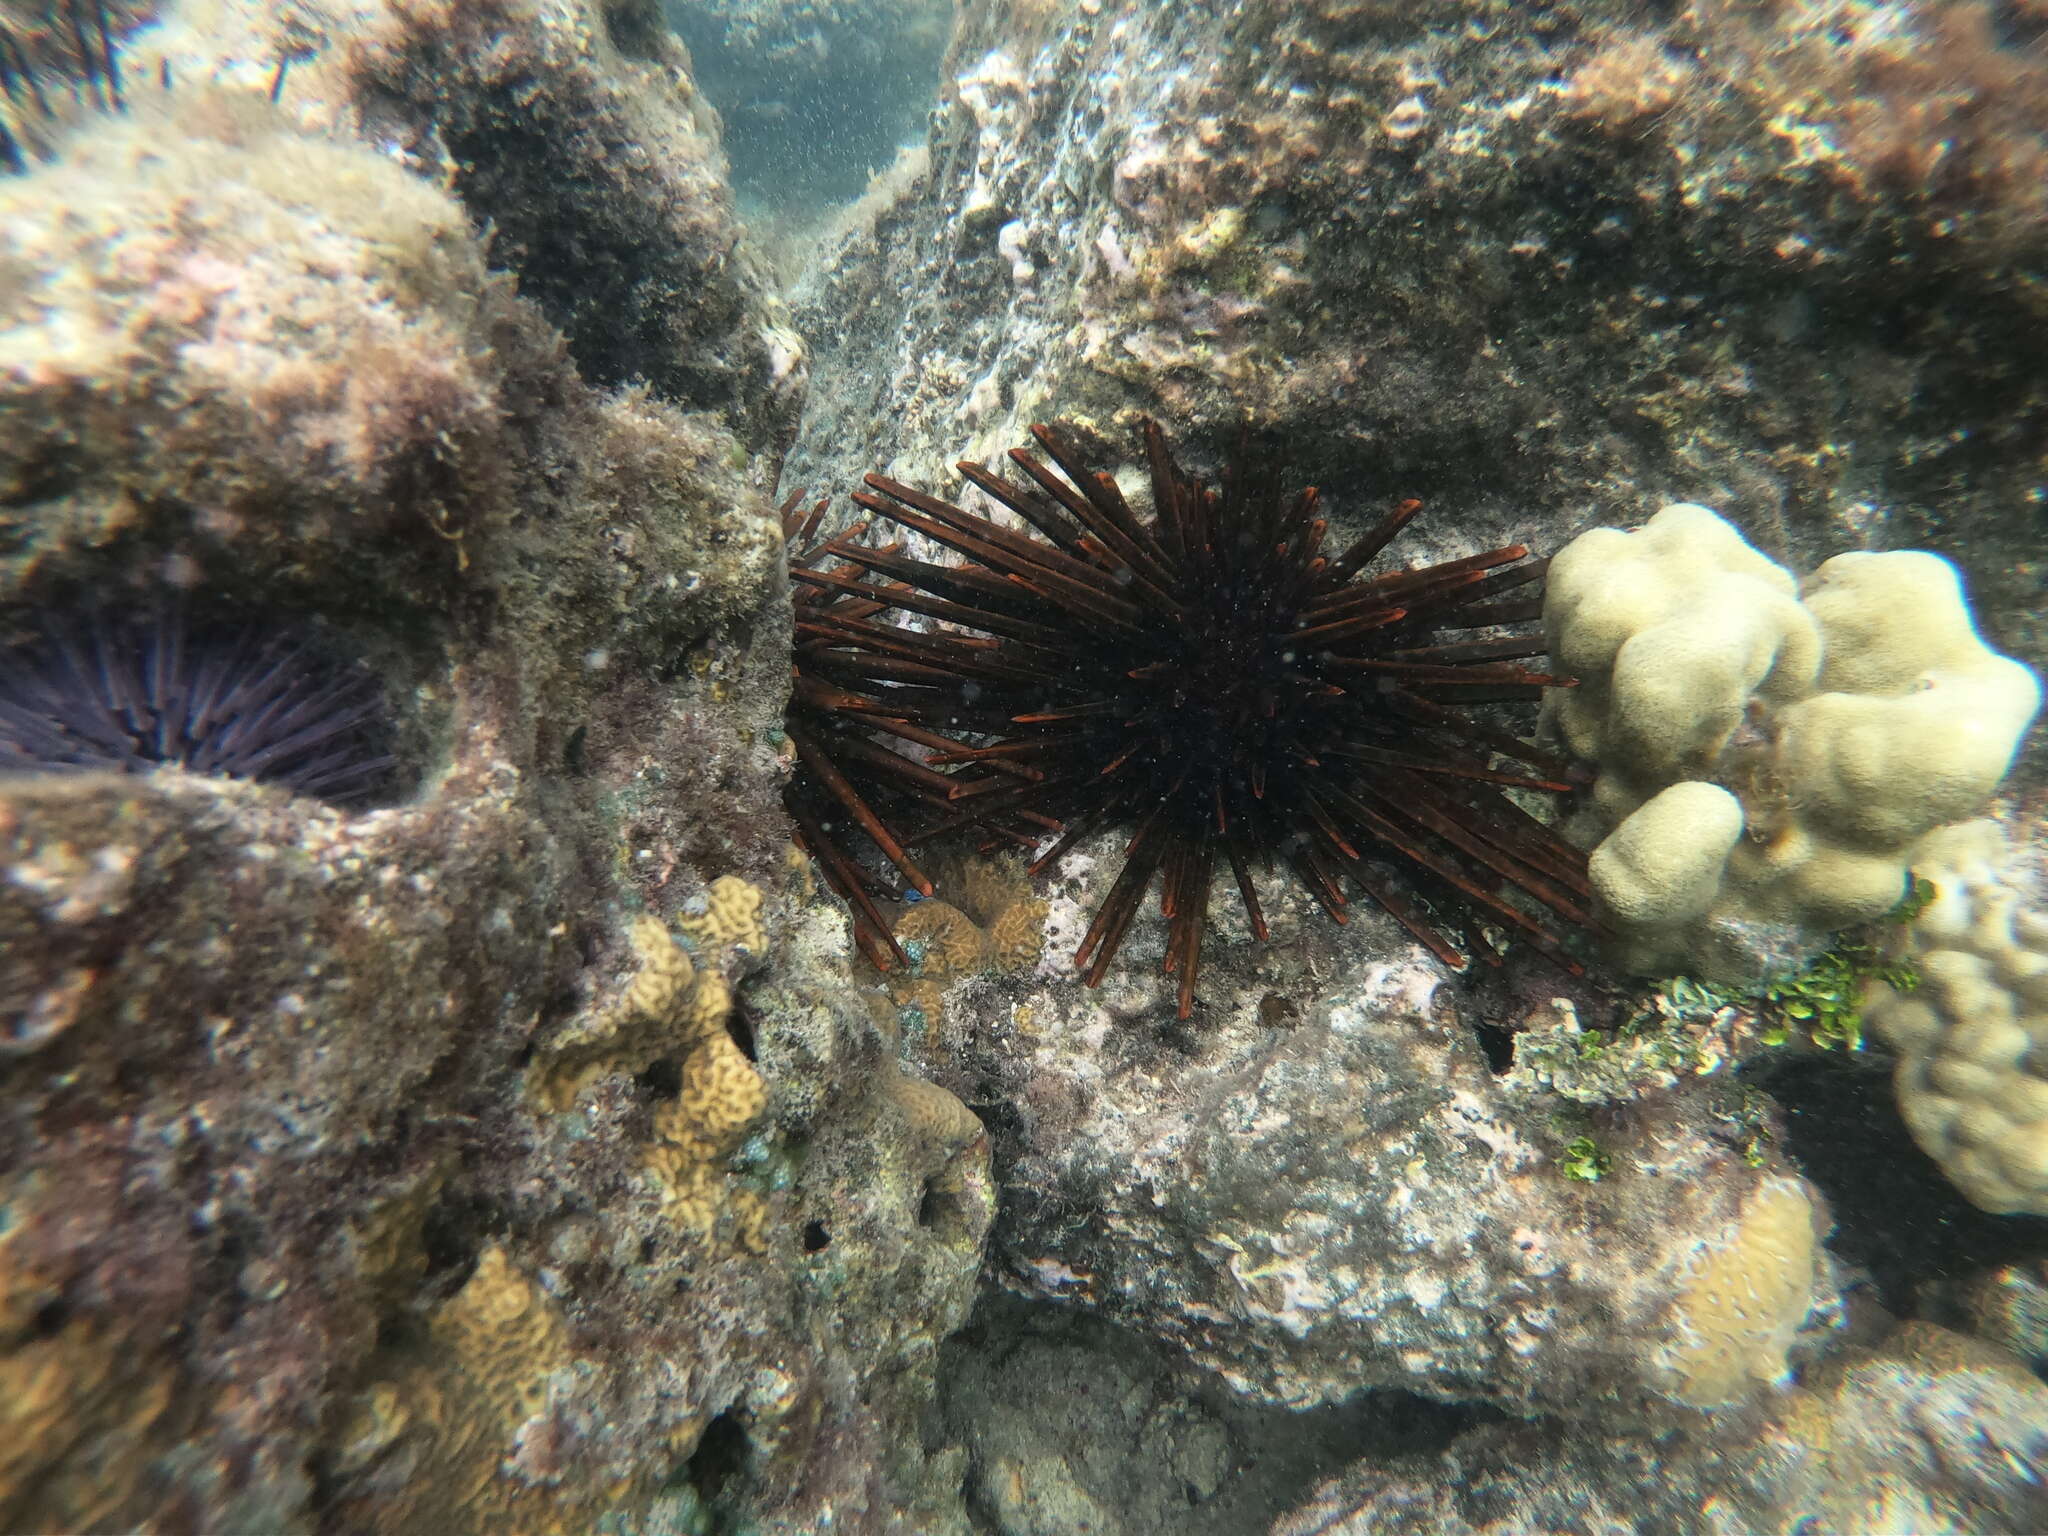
x=942 y=1131
x=942 y=940
x=731 y=919
x=454 y=1417
x=721 y=1097
x=1744 y=1296
x=671 y=1008
x=937 y=1119
x=1017 y=936
x=505 y=1335
x=945 y=942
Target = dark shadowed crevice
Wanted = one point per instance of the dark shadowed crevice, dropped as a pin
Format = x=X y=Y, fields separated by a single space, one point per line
x=1896 y=1215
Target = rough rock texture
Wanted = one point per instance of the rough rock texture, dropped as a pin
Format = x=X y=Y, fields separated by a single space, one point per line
x=1543 y=267
x=1927 y=1431
x=571 y=131
x=305 y=1226
x=1074 y=1426
x=1539 y=268
x=526 y=1155
x=1320 y=1188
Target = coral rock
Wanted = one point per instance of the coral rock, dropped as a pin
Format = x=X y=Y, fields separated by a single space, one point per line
x=1745 y=1294
x=1766 y=756
x=1971 y=1081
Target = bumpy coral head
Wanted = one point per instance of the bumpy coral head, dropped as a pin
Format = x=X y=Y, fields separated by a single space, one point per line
x=241 y=701
x=1212 y=679
x=1767 y=750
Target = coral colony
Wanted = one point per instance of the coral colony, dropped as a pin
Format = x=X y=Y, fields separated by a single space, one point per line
x=1209 y=677
x=243 y=702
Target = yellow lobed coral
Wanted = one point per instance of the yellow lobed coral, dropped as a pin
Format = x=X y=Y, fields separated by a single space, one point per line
x=1017 y=936
x=722 y=1095
x=674 y=1008
x=703 y=1015
x=980 y=885
x=385 y=1235
x=659 y=988
x=927 y=997
x=669 y=1005
x=731 y=919
x=1972 y=1039
x=504 y=1334
x=454 y=1418
x=720 y=1099
x=947 y=943
x=1743 y=1296
x=1766 y=754
x=660 y=1002
x=82 y=1416
x=942 y=938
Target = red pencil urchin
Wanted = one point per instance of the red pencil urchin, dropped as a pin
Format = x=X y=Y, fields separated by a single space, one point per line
x=242 y=701
x=851 y=790
x=1209 y=678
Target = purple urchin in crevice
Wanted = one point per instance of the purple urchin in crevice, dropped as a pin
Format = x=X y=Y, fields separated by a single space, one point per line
x=238 y=700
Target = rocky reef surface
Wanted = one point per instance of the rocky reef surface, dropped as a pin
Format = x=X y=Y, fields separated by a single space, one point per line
x=1544 y=269
x=514 y=1156
x=527 y=1148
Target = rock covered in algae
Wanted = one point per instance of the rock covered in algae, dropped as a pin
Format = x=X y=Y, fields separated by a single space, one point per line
x=1328 y=1190
x=1455 y=251
x=573 y=131
x=1070 y=1424
x=1925 y=1431
x=324 y=1209
x=1544 y=269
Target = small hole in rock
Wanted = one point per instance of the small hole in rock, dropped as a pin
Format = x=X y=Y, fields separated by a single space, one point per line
x=1499 y=1046
x=634 y=27
x=739 y=1023
x=454 y=1231
x=51 y=1316
x=662 y=1079
x=816 y=1238
x=1277 y=1012
x=721 y=1455
x=940 y=1210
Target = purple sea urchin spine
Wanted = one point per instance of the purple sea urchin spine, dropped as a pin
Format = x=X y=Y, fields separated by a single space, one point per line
x=244 y=702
